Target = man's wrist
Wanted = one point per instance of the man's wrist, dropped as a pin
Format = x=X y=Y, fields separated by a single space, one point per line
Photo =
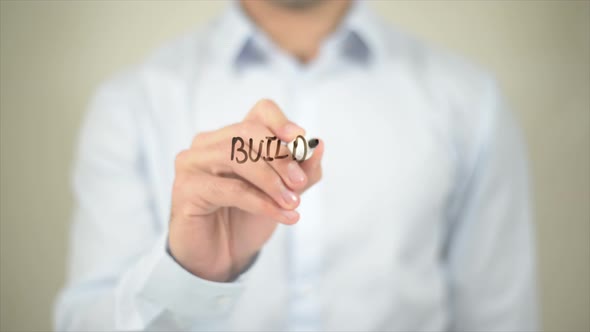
x=232 y=276
x=236 y=275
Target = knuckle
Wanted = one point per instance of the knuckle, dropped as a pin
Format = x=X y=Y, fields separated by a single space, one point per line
x=178 y=187
x=265 y=105
x=184 y=184
x=265 y=108
x=239 y=187
x=182 y=159
x=219 y=170
x=184 y=189
x=221 y=145
x=247 y=128
x=200 y=138
x=214 y=188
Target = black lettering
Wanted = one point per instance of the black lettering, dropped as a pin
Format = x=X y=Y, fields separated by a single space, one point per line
x=269 y=140
x=277 y=151
x=251 y=142
x=295 y=144
x=240 y=149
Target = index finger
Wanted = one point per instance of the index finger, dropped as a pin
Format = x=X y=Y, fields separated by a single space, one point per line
x=269 y=114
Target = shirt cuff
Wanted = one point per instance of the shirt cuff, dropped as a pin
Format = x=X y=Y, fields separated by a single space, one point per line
x=170 y=286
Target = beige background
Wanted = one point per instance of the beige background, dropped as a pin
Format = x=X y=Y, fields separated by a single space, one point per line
x=53 y=54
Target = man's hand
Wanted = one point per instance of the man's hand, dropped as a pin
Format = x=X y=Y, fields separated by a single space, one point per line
x=223 y=212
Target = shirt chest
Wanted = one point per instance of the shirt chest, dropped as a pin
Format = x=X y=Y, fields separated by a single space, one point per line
x=380 y=207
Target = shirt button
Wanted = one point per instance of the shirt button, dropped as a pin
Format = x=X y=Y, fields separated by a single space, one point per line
x=222 y=301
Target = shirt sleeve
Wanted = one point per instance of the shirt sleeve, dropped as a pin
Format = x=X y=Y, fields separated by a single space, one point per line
x=490 y=254
x=120 y=275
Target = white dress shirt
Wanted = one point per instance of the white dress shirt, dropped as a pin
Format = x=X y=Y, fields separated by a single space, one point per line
x=421 y=221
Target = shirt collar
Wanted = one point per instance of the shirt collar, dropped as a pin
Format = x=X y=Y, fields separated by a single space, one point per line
x=363 y=27
x=237 y=40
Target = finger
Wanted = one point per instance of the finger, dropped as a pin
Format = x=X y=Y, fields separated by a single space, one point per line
x=219 y=147
x=270 y=115
x=227 y=192
x=264 y=177
x=313 y=166
x=221 y=137
x=260 y=174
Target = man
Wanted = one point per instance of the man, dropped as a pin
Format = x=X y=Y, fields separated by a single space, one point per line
x=420 y=220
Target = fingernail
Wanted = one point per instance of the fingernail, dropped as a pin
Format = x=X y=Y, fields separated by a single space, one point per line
x=296 y=174
x=289 y=197
x=290 y=215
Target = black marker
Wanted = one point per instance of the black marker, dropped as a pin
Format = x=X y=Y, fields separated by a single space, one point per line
x=302 y=149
